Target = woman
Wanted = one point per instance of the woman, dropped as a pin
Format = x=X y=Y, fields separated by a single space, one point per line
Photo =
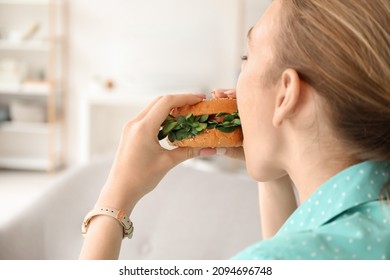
x=314 y=101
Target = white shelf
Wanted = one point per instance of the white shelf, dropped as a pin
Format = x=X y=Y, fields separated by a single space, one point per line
x=25 y=145
x=24 y=45
x=25 y=163
x=21 y=89
x=24 y=2
x=9 y=88
x=24 y=127
x=33 y=145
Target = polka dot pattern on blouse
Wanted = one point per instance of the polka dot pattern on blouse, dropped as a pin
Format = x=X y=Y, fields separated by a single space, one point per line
x=343 y=219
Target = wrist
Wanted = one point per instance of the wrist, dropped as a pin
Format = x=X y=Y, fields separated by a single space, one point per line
x=281 y=184
x=117 y=197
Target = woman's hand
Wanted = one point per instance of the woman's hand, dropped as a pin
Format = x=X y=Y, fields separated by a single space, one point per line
x=140 y=161
x=236 y=153
x=223 y=93
x=139 y=165
x=276 y=203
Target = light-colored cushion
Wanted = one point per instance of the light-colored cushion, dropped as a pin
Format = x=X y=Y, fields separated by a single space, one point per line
x=192 y=214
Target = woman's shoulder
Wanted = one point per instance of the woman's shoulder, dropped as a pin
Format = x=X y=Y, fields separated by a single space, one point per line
x=351 y=237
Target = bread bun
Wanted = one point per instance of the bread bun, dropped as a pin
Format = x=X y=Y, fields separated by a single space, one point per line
x=208 y=107
x=212 y=138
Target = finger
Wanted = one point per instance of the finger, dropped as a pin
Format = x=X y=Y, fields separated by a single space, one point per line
x=230 y=93
x=236 y=153
x=218 y=93
x=223 y=93
x=204 y=152
x=161 y=109
x=182 y=154
x=179 y=155
x=201 y=95
x=151 y=104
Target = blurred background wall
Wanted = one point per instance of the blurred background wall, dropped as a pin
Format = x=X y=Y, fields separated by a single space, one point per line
x=72 y=72
x=144 y=49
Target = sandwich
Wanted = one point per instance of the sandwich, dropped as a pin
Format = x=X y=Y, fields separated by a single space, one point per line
x=209 y=123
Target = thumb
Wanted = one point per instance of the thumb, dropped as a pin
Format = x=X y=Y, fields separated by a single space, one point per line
x=235 y=153
x=179 y=155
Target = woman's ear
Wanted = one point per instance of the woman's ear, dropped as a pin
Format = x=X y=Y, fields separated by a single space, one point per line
x=287 y=97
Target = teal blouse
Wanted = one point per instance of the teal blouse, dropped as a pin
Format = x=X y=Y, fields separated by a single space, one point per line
x=343 y=219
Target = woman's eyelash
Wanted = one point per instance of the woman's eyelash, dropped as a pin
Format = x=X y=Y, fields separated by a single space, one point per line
x=244 y=57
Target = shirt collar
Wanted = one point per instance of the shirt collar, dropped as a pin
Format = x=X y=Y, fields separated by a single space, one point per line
x=351 y=187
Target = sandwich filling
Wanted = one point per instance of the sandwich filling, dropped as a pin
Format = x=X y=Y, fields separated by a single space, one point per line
x=189 y=126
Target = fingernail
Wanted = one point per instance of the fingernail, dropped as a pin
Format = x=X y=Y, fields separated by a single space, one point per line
x=200 y=95
x=221 y=151
x=205 y=152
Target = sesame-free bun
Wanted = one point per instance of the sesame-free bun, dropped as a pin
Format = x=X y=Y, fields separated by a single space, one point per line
x=208 y=107
x=211 y=138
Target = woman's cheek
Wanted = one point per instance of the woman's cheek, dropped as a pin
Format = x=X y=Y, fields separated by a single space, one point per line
x=249 y=144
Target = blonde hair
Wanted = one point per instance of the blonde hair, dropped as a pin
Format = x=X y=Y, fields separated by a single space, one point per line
x=342 y=49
